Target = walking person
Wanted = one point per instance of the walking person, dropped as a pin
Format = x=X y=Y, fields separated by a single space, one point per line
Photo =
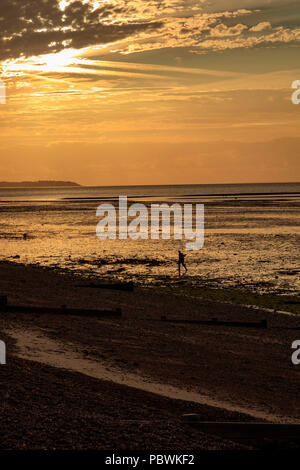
x=181 y=262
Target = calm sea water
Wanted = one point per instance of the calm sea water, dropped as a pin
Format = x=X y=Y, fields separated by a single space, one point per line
x=160 y=192
x=251 y=235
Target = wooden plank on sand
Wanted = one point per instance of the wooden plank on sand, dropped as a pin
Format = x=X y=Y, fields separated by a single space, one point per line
x=216 y=322
x=61 y=311
x=244 y=430
x=125 y=286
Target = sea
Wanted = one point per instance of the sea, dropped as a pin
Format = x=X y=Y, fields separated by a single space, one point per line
x=251 y=235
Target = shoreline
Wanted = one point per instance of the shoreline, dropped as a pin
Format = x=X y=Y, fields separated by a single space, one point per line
x=247 y=369
x=185 y=286
x=48 y=352
x=248 y=245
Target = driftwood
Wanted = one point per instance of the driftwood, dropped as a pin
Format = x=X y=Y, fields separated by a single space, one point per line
x=244 y=430
x=216 y=322
x=125 y=286
x=60 y=311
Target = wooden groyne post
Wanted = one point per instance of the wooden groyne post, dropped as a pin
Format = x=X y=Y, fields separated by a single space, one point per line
x=216 y=322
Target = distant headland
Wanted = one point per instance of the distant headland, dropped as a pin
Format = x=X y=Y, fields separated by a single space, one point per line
x=37 y=184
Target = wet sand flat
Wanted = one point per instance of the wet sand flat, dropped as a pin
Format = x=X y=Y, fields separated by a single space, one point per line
x=249 y=241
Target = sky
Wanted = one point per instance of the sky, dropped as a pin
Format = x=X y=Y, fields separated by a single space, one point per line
x=117 y=92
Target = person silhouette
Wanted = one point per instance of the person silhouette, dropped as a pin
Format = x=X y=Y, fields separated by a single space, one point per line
x=181 y=262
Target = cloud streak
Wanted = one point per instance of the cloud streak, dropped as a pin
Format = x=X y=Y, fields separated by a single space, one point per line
x=35 y=27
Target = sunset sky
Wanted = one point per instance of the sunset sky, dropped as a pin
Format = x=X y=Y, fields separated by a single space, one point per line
x=150 y=92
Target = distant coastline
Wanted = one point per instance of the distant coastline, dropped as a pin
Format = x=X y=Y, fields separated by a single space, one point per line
x=38 y=184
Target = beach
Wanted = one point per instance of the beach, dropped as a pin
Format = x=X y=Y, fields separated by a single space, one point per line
x=125 y=382
x=149 y=228
x=215 y=342
x=250 y=240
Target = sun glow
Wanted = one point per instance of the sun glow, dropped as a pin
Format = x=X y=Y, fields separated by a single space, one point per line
x=63 y=4
x=45 y=63
x=64 y=58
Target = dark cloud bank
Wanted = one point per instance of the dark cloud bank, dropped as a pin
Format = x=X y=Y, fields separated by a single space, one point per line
x=32 y=27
